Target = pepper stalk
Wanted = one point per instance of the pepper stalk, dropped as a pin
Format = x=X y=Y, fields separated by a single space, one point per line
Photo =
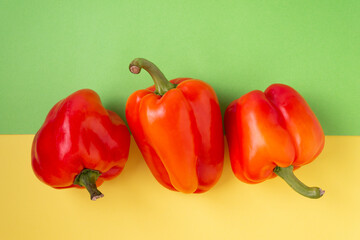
x=162 y=85
x=87 y=178
x=287 y=173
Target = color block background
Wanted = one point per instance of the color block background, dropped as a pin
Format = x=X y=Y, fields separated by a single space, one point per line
x=49 y=49
x=135 y=206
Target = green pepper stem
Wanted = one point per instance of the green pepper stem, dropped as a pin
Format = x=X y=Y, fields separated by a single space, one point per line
x=162 y=85
x=87 y=178
x=287 y=174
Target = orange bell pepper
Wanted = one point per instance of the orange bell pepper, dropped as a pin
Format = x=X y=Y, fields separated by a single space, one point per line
x=177 y=126
x=272 y=133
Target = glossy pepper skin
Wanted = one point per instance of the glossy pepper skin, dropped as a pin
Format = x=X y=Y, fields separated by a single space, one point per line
x=177 y=126
x=80 y=144
x=271 y=133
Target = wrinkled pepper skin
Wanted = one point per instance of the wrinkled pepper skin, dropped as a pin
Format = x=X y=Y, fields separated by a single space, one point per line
x=270 y=129
x=79 y=133
x=179 y=134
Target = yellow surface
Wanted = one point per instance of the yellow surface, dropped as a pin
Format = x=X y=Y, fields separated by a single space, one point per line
x=135 y=206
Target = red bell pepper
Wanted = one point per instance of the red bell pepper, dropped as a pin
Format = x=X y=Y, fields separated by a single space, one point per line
x=272 y=133
x=80 y=144
x=177 y=126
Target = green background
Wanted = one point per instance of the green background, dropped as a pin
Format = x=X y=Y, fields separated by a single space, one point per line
x=49 y=49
